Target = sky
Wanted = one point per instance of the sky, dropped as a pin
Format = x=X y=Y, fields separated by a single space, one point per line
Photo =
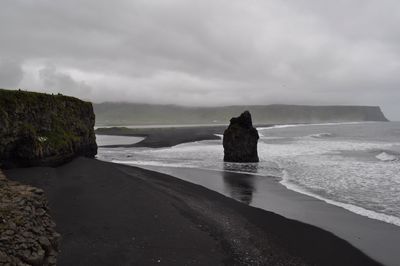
x=205 y=53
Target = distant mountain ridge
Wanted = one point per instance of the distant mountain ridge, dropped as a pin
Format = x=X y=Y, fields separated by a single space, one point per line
x=149 y=114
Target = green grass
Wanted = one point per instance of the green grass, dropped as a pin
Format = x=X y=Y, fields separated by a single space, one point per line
x=53 y=122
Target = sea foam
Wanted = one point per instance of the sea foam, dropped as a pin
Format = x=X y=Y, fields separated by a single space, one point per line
x=386 y=157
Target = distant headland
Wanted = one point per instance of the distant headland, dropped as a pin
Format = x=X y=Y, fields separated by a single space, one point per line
x=149 y=114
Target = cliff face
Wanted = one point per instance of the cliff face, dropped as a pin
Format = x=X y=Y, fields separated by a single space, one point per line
x=140 y=114
x=42 y=129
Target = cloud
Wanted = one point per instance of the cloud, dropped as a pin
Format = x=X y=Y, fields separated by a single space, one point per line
x=209 y=52
x=11 y=73
x=58 y=82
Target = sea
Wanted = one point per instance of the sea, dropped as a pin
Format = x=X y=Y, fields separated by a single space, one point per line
x=352 y=165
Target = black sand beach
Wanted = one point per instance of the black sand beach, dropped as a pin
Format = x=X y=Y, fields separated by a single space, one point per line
x=163 y=136
x=378 y=239
x=110 y=214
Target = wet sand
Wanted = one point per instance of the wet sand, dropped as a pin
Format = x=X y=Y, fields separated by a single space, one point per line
x=111 y=214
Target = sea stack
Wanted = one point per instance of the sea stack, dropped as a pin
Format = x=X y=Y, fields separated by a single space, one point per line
x=240 y=140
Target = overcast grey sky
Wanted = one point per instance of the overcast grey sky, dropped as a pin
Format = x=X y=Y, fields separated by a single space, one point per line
x=208 y=52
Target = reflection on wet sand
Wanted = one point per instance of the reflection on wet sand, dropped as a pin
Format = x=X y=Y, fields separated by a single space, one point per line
x=240 y=187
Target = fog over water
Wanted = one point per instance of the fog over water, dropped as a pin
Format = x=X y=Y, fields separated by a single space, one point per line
x=207 y=52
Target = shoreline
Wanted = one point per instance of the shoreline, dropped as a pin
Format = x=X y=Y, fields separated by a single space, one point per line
x=348 y=207
x=378 y=239
x=381 y=217
x=162 y=137
x=228 y=231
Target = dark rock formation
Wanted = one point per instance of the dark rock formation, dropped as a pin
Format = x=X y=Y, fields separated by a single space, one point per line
x=240 y=140
x=27 y=231
x=43 y=129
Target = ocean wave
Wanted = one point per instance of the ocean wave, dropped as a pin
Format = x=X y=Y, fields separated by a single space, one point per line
x=316 y=124
x=352 y=208
x=154 y=163
x=281 y=126
x=387 y=157
x=321 y=135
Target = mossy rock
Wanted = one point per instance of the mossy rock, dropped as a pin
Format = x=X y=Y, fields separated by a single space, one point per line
x=44 y=129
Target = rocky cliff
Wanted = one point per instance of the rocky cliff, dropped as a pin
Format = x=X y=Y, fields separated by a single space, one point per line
x=240 y=140
x=43 y=129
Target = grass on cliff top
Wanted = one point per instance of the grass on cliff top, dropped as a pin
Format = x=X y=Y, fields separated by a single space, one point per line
x=59 y=136
x=30 y=96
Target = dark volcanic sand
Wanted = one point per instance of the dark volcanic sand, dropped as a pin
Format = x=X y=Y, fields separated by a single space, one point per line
x=163 y=137
x=110 y=214
x=159 y=137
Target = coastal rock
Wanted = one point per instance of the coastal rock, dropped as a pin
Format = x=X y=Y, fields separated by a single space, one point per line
x=240 y=140
x=42 y=129
x=26 y=237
